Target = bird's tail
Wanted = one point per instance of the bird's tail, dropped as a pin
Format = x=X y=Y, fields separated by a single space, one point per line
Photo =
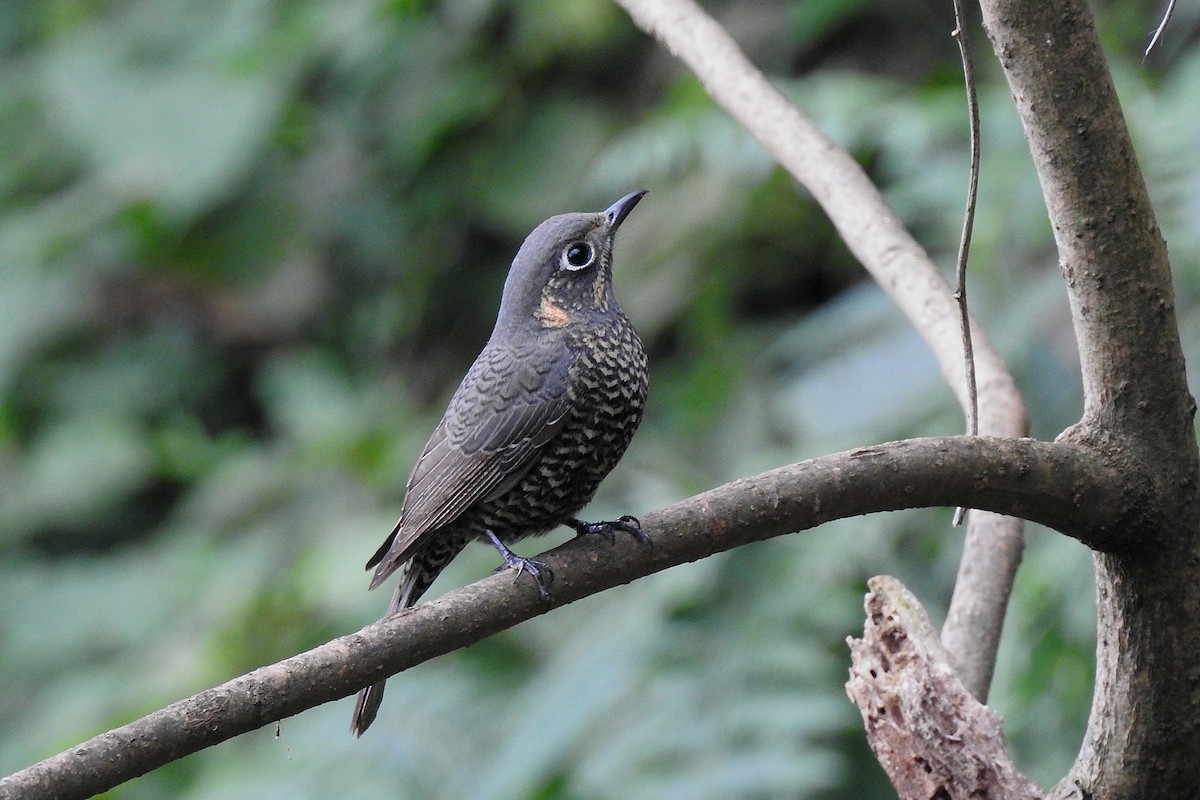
x=418 y=574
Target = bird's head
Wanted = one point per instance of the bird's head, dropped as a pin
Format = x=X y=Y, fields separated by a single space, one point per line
x=562 y=274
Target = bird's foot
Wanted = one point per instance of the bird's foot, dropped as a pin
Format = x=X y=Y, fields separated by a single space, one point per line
x=626 y=523
x=540 y=571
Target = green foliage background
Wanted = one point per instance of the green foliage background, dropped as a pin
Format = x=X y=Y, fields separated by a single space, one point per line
x=247 y=250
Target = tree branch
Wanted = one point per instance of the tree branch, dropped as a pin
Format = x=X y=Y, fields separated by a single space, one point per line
x=994 y=544
x=931 y=736
x=1060 y=485
x=1113 y=257
x=964 y=243
x=1141 y=741
x=992 y=549
x=856 y=208
x=991 y=555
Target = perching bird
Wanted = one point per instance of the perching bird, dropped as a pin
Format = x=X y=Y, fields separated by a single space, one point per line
x=542 y=416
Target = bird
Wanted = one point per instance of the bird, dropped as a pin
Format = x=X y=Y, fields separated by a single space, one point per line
x=544 y=413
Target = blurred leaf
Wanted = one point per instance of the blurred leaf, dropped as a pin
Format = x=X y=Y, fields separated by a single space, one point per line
x=250 y=248
x=180 y=135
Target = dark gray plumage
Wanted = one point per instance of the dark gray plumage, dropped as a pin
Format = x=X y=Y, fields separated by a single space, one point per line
x=541 y=417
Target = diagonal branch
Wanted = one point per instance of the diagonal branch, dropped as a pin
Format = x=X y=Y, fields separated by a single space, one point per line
x=1112 y=254
x=993 y=546
x=1060 y=485
x=916 y=711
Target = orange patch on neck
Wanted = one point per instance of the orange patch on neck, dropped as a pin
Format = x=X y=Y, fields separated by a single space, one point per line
x=551 y=315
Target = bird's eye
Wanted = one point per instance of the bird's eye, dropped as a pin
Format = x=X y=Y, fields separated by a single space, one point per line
x=578 y=255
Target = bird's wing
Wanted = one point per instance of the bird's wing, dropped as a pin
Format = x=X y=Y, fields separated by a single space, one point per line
x=509 y=405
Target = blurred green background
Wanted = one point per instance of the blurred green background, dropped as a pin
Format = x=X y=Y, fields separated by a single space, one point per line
x=248 y=249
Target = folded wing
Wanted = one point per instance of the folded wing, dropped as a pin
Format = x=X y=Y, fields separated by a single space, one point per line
x=508 y=407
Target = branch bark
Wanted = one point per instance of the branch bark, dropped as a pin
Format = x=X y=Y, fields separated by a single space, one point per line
x=1061 y=485
x=992 y=550
x=1144 y=731
x=931 y=736
x=1112 y=255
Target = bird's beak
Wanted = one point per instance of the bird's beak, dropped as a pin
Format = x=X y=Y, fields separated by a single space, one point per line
x=618 y=211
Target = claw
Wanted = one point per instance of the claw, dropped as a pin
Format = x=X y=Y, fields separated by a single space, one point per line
x=626 y=523
x=536 y=569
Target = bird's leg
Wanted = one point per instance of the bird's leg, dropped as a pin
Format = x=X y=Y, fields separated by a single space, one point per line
x=533 y=567
x=626 y=523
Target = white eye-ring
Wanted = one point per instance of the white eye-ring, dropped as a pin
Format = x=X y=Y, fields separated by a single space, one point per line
x=578 y=255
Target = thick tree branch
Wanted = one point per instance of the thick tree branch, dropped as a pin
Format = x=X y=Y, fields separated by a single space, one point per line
x=992 y=550
x=1060 y=485
x=1143 y=733
x=1112 y=254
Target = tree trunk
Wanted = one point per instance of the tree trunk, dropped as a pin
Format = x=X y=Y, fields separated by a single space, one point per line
x=1143 y=738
